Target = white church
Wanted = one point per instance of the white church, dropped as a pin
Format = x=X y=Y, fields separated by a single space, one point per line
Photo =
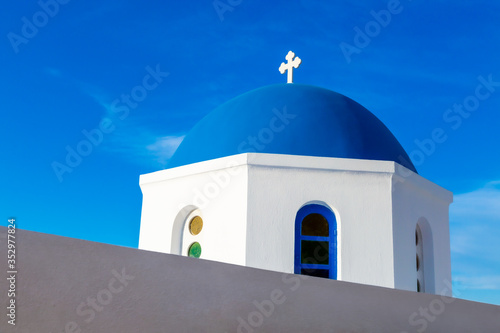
x=290 y=208
x=299 y=179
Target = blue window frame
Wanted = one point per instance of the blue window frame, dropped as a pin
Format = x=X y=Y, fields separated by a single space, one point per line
x=316 y=242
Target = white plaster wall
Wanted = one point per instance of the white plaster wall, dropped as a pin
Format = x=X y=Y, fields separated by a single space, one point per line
x=361 y=200
x=249 y=203
x=219 y=191
x=417 y=199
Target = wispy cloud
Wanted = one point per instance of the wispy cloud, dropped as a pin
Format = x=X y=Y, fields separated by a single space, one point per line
x=475 y=221
x=474 y=229
x=141 y=145
x=132 y=138
x=490 y=282
x=164 y=148
x=483 y=203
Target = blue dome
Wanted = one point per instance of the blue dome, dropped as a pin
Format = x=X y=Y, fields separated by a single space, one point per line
x=290 y=119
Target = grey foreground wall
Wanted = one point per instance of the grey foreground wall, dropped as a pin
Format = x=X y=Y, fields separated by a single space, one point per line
x=70 y=285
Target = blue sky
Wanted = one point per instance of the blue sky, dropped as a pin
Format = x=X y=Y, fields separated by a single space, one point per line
x=413 y=70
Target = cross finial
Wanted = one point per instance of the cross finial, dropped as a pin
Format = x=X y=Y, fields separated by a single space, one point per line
x=290 y=65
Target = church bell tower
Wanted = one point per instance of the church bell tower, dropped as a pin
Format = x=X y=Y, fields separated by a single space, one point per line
x=300 y=179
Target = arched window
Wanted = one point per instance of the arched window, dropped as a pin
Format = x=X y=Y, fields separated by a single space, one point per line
x=316 y=242
x=419 y=265
x=187 y=233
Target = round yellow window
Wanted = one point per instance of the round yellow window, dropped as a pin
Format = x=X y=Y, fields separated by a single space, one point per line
x=195 y=225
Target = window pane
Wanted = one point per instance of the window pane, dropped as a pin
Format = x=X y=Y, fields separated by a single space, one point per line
x=194 y=250
x=195 y=225
x=324 y=273
x=315 y=225
x=314 y=252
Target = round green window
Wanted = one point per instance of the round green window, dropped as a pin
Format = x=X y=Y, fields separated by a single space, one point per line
x=194 y=250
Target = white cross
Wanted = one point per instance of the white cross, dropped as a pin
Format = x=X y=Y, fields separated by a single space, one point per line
x=290 y=65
